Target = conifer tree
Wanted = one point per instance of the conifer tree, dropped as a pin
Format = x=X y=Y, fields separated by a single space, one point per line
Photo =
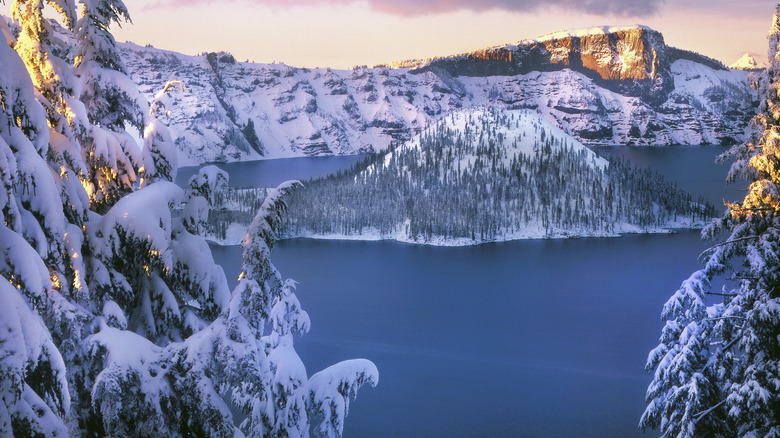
x=50 y=74
x=34 y=395
x=116 y=319
x=111 y=100
x=159 y=152
x=716 y=371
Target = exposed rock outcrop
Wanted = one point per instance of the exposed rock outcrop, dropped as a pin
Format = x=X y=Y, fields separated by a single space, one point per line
x=602 y=85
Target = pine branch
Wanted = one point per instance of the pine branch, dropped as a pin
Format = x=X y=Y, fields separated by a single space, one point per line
x=758 y=208
x=704 y=413
x=727 y=242
x=734 y=341
x=720 y=294
x=724 y=317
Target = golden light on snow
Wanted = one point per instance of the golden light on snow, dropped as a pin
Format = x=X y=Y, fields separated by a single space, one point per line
x=71 y=116
x=55 y=280
x=89 y=189
x=15 y=283
x=77 y=280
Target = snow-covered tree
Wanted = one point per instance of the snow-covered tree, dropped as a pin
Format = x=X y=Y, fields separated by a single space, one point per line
x=716 y=371
x=159 y=152
x=202 y=189
x=244 y=359
x=116 y=320
x=51 y=75
x=33 y=386
x=34 y=393
x=111 y=102
x=111 y=98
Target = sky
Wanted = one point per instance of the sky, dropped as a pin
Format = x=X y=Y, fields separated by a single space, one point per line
x=345 y=33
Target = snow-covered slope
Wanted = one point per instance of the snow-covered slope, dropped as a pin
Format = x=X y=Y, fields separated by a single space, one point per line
x=483 y=175
x=514 y=132
x=750 y=62
x=601 y=85
x=478 y=175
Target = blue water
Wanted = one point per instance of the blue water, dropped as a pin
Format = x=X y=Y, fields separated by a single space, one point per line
x=529 y=338
x=544 y=338
x=270 y=173
x=691 y=167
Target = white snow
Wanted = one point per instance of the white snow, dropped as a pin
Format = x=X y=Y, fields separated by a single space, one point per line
x=27 y=345
x=298 y=112
x=749 y=61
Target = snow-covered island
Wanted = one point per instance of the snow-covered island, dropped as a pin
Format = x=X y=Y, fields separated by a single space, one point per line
x=477 y=176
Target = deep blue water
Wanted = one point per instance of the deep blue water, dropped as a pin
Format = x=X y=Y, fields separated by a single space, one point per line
x=528 y=338
x=543 y=338
x=691 y=167
x=270 y=173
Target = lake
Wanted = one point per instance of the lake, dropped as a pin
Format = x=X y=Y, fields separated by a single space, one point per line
x=542 y=338
x=271 y=173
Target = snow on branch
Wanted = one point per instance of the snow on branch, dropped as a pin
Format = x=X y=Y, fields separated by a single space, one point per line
x=259 y=281
x=33 y=388
x=330 y=391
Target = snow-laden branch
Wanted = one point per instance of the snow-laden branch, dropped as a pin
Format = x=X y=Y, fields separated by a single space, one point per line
x=330 y=391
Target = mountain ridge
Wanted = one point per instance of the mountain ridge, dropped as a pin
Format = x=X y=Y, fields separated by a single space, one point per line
x=613 y=86
x=589 y=51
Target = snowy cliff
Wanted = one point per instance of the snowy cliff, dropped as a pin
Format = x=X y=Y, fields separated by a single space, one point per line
x=601 y=85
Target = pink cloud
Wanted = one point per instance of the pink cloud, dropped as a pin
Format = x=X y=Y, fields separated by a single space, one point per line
x=636 y=8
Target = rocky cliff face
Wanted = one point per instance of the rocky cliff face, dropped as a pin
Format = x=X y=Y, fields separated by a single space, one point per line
x=602 y=85
x=632 y=61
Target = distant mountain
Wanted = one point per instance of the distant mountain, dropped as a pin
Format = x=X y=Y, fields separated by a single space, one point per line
x=601 y=85
x=749 y=62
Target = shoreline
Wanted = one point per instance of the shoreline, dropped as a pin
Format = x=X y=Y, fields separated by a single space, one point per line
x=440 y=241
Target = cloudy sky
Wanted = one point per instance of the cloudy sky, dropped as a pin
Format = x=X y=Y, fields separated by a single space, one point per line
x=344 y=33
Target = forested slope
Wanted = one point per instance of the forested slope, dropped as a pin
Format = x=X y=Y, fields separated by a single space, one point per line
x=477 y=176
